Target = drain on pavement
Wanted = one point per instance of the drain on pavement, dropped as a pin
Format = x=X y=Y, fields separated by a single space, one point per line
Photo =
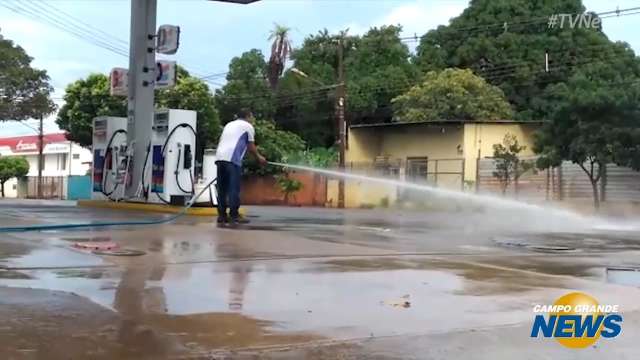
x=121 y=252
x=551 y=248
x=93 y=245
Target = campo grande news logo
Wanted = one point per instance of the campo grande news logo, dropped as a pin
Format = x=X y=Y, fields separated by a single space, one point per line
x=576 y=320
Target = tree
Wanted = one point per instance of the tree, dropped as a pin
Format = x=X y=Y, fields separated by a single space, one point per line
x=275 y=144
x=505 y=42
x=191 y=93
x=316 y=157
x=288 y=186
x=84 y=100
x=595 y=123
x=377 y=69
x=88 y=98
x=24 y=91
x=452 y=94
x=246 y=87
x=280 y=50
x=509 y=167
x=12 y=167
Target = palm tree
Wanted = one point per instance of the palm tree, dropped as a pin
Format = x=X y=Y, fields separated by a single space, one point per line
x=280 y=49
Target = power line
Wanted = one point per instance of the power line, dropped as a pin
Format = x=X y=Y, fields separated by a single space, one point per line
x=43 y=18
x=106 y=35
x=29 y=126
x=514 y=25
x=489 y=76
x=75 y=27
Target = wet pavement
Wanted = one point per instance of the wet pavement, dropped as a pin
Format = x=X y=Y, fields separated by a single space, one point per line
x=307 y=283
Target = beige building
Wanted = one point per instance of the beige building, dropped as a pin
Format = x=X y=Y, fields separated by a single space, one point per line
x=443 y=154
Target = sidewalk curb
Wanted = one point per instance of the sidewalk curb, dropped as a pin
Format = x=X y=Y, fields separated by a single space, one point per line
x=170 y=209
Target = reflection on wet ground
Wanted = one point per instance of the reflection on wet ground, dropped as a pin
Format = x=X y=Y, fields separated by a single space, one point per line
x=625 y=276
x=289 y=278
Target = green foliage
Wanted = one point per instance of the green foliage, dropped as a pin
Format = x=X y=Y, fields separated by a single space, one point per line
x=315 y=157
x=509 y=167
x=246 y=87
x=84 y=100
x=594 y=123
x=287 y=185
x=191 y=93
x=280 y=50
x=512 y=58
x=377 y=69
x=452 y=94
x=24 y=91
x=88 y=98
x=275 y=145
x=12 y=167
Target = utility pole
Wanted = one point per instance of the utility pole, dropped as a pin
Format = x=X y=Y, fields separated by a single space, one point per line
x=40 y=157
x=341 y=124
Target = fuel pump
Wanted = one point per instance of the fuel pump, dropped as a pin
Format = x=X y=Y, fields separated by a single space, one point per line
x=109 y=143
x=170 y=177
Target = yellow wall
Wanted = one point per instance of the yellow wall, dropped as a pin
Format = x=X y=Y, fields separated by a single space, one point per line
x=360 y=194
x=452 y=141
x=401 y=142
x=480 y=138
x=364 y=145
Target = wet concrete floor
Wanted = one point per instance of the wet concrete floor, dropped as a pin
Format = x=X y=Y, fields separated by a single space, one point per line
x=305 y=283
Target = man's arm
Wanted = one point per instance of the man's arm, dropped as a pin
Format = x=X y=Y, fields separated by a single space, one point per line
x=254 y=151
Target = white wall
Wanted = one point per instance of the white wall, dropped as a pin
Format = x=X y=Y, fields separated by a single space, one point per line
x=54 y=154
x=9 y=190
x=79 y=161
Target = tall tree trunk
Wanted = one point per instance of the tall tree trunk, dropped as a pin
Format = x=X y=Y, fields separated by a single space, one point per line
x=596 y=196
x=594 y=183
x=2 y=186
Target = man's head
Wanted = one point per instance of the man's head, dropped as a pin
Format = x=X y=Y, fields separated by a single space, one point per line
x=246 y=115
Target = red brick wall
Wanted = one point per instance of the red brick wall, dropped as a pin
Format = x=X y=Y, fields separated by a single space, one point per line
x=265 y=190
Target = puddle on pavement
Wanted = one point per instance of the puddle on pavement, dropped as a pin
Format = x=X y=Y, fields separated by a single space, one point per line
x=289 y=297
x=629 y=276
x=54 y=256
x=567 y=242
x=11 y=274
x=481 y=280
x=81 y=329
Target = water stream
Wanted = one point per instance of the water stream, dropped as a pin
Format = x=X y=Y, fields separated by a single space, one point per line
x=543 y=215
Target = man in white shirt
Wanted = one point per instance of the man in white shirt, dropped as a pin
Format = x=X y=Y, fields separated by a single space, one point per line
x=237 y=137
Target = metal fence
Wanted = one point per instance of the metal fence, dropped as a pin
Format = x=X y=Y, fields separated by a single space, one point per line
x=443 y=172
x=566 y=182
x=52 y=187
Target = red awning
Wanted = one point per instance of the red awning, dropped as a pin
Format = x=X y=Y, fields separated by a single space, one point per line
x=30 y=143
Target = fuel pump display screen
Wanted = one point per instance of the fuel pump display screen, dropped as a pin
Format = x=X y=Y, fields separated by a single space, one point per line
x=157 y=170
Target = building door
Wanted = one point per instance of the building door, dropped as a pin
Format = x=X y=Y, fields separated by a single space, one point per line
x=417 y=169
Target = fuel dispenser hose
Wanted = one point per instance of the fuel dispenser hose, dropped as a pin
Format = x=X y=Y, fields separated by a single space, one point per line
x=46 y=227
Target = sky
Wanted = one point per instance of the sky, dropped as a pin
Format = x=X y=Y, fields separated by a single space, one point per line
x=212 y=33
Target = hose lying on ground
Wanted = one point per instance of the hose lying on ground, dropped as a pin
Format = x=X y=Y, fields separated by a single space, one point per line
x=44 y=227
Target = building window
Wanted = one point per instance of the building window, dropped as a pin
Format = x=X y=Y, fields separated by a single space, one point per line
x=15 y=186
x=76 y=156
x=62 y=161
x=65 y=157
